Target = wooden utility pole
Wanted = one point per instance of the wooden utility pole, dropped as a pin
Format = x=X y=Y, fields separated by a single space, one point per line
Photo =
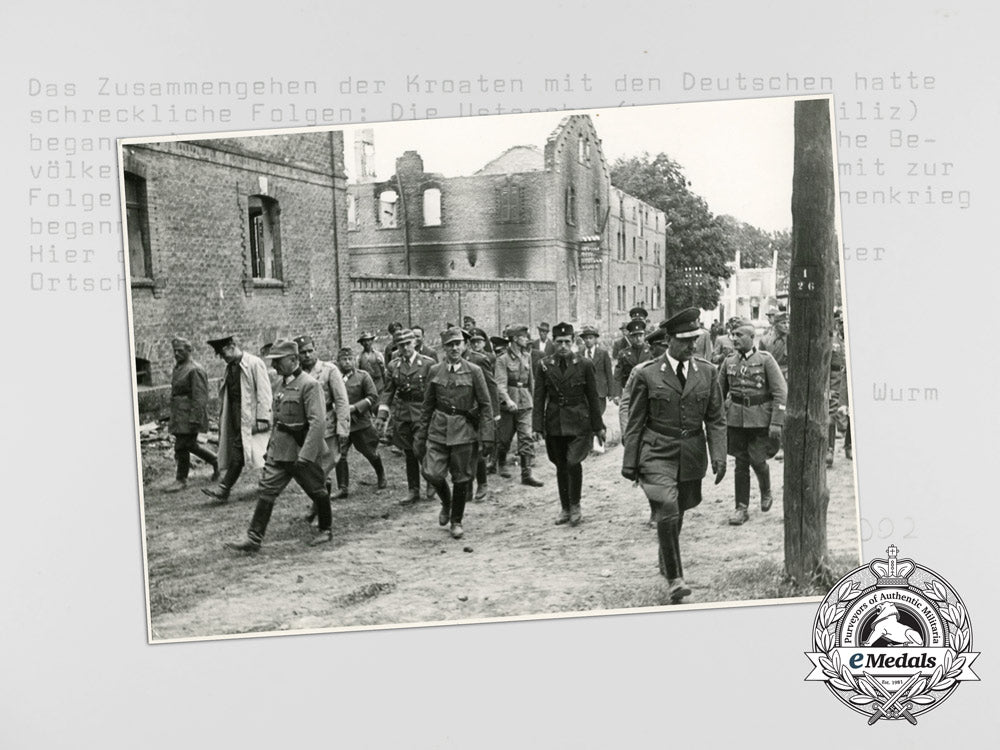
x=810 y=291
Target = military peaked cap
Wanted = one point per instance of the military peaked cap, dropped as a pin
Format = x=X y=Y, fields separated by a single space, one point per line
x=684 y=325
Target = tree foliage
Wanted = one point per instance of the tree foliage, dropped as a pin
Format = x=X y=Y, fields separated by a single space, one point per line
x=697 y=250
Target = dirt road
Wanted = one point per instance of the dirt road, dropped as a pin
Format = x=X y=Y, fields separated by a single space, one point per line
x=391 y=564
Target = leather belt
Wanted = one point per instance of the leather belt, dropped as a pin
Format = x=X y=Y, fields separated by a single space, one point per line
x=673 y=432
x=453 y=410
x=754 y=400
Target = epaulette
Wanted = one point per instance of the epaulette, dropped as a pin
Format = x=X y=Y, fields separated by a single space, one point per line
x=702 y=359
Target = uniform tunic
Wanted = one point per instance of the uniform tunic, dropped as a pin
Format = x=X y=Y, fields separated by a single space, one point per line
x=455 y=408
x=755 y=394
x=299 y=425
x=567 y=406
x=404 y=395
x=665 y=438
x=515 y=382
x=628 y=359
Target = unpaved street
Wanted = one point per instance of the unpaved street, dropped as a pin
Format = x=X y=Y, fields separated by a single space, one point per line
x=391 y=564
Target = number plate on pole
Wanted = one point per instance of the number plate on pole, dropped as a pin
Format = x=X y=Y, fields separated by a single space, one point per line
x=803 y=281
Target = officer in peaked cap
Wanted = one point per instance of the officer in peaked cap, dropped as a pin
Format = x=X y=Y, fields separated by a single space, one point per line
x=637 y=351
x=567 y=417
x=675 y=402
x=638 y=312
x=295 y=450
x=455 y=409
x=406 y=383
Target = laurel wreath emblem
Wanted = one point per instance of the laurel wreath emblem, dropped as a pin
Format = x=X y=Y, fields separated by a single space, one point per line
x=942 y=678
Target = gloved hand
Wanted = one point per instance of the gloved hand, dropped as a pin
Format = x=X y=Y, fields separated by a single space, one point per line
x=774 y=432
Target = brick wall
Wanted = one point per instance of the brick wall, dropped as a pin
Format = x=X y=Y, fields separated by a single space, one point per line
x=197 y=196
x=435 y=302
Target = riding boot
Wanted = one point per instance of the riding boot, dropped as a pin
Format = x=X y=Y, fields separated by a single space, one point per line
x=446 y=499
x=831 y=442
x=742 y=482
x=562 y=481
x=502 y=463
x=376 y=462
x=258 y=526
x=574 y=475
x=412 y=479
x=482 y=483
x=526 y=477
x=764 y=482
x=459 y=496
x=343 y=474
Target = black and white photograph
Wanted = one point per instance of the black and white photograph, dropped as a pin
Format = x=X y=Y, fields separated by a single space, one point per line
x=492 y=368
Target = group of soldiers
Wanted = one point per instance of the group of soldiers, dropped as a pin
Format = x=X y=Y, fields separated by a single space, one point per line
x=453 y=414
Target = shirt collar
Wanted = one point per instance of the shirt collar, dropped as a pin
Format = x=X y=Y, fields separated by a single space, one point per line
x=672 y=363
x=746 y=355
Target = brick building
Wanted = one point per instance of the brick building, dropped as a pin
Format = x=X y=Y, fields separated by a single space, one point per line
x=534 y=235
x=235 y=236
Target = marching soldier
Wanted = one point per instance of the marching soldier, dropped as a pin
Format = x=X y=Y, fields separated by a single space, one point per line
x=636 y=352
x=755 y=394
x=454 y=410
x=338 y=417
x=568 y=417
x=657 y=342
x=372 y=361
x=407 y=377
x=514 y=386
x=295 y=450
x=362 y=397
x=477 y=354
x=675 y=401
x=188 y=413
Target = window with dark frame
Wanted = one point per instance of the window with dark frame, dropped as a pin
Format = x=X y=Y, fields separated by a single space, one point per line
x=265 y=239
x=571 y=205
x=137 y=218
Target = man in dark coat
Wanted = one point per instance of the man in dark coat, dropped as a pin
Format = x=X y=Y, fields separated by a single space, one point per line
x=672 y=406
x=567 y=416
x=188 y=413
x=456 y=406
x=372 y=361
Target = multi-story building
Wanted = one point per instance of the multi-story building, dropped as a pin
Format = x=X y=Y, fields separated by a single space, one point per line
x=534 y=235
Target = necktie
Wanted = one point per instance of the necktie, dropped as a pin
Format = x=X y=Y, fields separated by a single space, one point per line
x=590 y=354
x=680 y=373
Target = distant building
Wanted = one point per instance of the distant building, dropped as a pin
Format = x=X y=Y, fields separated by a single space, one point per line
x=748 y=293
x=536 y=234
x=235 y=236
